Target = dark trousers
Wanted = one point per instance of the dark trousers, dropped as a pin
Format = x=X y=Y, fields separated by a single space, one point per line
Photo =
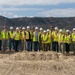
x=0 y=44
x=36 y=46
x=16 y=45
x=67 y=46
x=11 y=44
x=55 y=46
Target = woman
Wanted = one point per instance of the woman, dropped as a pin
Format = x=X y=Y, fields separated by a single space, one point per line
x=67 y=40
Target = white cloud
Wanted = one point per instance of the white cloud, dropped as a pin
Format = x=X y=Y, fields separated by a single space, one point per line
x=7 y=14
x=19 y=9
x=69 y=12
x=34 y=2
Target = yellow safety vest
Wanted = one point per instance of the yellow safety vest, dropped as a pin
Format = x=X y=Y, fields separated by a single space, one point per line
x=60 y=38
x=11 y=34
x=4 y=35
x=49 y=38
x=73 y=37
x=17 y=36
x=55 y=36
x=27 y=35
x=44 y=38
x=23 y=35
x=34 y=37
x=67 y=39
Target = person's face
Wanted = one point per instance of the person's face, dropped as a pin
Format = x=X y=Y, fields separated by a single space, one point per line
x=74 y=31
x=28 y=29
x=41 y=30
x=36 y=30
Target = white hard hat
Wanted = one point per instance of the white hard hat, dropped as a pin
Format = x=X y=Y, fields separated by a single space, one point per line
x=41 y=28
x=67 y=31
x=56 y=28
x=48 y=30
x=60 y=30
x=44 y=31
x=17 y=28
x=36 y=27
x=23 y=28
x=28 y=27
x=73 y=28
x=11 y=27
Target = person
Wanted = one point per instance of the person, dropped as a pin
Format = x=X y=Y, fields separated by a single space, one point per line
x=55 y=40
x=5 y=37
x=11 y=39
x=67 y=40
x=28 y=39
x=40 y=40
x=36 y=36
x=49 y=40
x=0 y=41
x=23 y=39
x=61 y=41
x=17 y=39
x=44 y=40
x=73 y=40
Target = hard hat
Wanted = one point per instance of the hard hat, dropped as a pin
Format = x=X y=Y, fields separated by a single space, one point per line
x=17 y=28
x=48 y=30
x=73 y=28
x=36 y=27
x=44 y=31
x=67 y=31
x=28 y=27
x=11 y=27
x=56 y=28
x=60 y=30
x=41 y=28
x=23 y=28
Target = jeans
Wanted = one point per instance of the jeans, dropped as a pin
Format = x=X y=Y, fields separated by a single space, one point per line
x=55 y=46
x=16 y=45
x=11 y=44
x=28 y=45
x=36 y=46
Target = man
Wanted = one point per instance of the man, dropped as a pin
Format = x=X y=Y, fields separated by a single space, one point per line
x=11 y=39
x=0 y=41
x=49 y=39
x=55 y=40
x=61 y=40
x=44 y=40
x=5 y=37
x=73 y=40
x=28 y=39
x=36 y=36
x=17 y=39
x=40 y=40
x=23 y=39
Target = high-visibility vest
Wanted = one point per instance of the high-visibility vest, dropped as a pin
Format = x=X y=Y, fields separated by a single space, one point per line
x=40 y=36
x=23 y=35
x=67 y=39
x=44 y=38
x=55 y=37
x=73 y=37
x=0 y=36
x=4 y=35
x=61 y=38
x=11 y=34
x=34 y=37
x=49 y=38
x=16 y=36
x=27 y=35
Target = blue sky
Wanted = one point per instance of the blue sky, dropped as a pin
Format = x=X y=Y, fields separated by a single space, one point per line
x=37 y=8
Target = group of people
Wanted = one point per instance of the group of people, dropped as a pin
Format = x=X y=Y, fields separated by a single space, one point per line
x=37 y=39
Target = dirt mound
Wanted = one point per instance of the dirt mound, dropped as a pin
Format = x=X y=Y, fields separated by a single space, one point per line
x=36 y=63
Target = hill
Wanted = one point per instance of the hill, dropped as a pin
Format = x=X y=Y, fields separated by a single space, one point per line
x=45 y=22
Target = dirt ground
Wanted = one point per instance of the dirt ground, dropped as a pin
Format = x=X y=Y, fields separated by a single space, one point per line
x=36 y=63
